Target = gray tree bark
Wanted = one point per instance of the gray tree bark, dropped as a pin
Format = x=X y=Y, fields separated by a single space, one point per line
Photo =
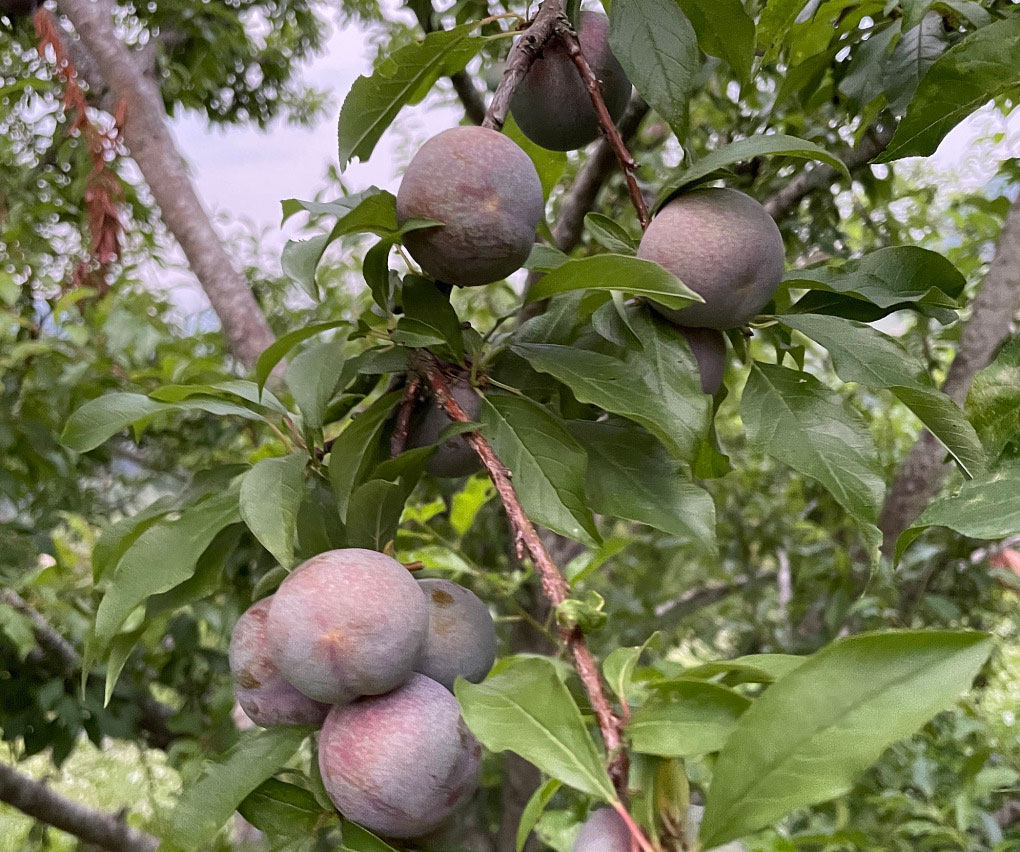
x=152 y=147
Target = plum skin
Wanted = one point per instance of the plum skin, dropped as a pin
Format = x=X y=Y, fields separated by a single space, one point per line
x=399 y=764
x=486 y=191
x=347 y=623
x=455 y=457
x=603 y=831
x=265 y=697
x=552 y=106
x=461 y=639
x=723 y=245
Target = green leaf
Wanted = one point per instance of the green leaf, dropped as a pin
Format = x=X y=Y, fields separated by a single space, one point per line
x=278 y=349
x=618 y=667
x=914 y=54
x=271 y=494
x=795 y=419
x=432 y=313
x=300 y=259
x=863 y=354
x=777 y=17
x=658 y=48
x=985 y=65
x=615 y=272
x=525 y=708
x=610 y=234
x=725 y=30
x=685 y=717
x=163 y=556
x=657 y=386
x=631 y=476
x=403 y=77
x=353 y=448
x=890 y=279
x=207 y=804
x=533 y=810
x=547 y=464
x=102 y=418
x=751 y=668
x=374 y=514
x=358 y=839
x=279 y=809
x=815 y=729
x=994 y=400
x=987 y=507
x=313 y=378
x=545 y=258
x=550 y=165
x=773 y=144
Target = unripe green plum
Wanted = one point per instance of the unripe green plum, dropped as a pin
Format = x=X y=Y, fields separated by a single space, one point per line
x=347 y=623
x=266 y=698
x=486 y=191
x=708 y=346
x=603 y=831
x=401 y=763
x=454 y=457
x=723 y=245
x=461 y=639
x=552 y=106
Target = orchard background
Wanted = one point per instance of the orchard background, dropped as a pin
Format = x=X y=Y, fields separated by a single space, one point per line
x=792 y=604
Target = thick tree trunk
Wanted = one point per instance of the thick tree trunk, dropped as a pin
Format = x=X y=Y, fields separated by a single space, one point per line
x=990 y=323
x=104 y=830
x=152 y=147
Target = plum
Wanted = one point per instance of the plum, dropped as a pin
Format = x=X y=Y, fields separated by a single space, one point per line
x=266 y=698
x=461 y=639
x=723 y=245
x=486 y=192
x=552 y=106
x=709 y=349
x=603 y=831
x=454 y=457
x=347 y=623
x=399 y=764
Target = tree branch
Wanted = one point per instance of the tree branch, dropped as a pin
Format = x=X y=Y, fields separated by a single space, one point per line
x=992 y=313
x=692 y=600
x=105 y=830
x=474 y=106
x=152 y=147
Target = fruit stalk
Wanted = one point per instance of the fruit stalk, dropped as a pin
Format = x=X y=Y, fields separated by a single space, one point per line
x=399 y=440
x=554 y=585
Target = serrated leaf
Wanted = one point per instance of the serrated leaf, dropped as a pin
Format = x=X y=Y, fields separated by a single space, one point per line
x=374 y=514
x=313 y=378
x=815 y=729
x=658 y=48
x=983 y=66
x=206 y=805
x=401 y=78
x=100 y=419
x=547 y=464
x=271 y=494
x=795 y=419
x=525 y=708
x=431 y=310
x=352 y=451
x=863 y=354
x=773 y=144
x=615 y=272
x=278 y=349
x=685 y=717
x=300 y=259
x=914 y=54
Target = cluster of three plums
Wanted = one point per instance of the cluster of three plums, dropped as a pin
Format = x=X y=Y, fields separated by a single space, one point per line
x=353 y=642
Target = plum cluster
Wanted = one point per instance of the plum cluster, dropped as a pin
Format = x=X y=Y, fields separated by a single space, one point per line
x=485 y=190
x=352 y=642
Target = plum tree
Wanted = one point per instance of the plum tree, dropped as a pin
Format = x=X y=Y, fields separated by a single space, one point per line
x=454 y=457
x=709 y=348
x=347 y=623
x=461 y=639
x=552 y=106
x=18 y=8
x=486 y=192
x=723 y=245
x=266 y=698
x=399 y=764
x=603 y=831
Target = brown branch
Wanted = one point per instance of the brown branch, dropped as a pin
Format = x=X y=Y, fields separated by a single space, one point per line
x=101 y=829
x=695 y=599
x=403 y=422
x=521 y=57
x=474 y=105
x=554 y=585
x=612 y=135
x=992 y=313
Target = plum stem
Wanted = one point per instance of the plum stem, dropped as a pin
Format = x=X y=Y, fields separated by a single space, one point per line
x=628 y=166
x=554 y=585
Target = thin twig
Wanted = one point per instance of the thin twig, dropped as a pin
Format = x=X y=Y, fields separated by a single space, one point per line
x=554 y=585
x=403 y=425
x=568 y=38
